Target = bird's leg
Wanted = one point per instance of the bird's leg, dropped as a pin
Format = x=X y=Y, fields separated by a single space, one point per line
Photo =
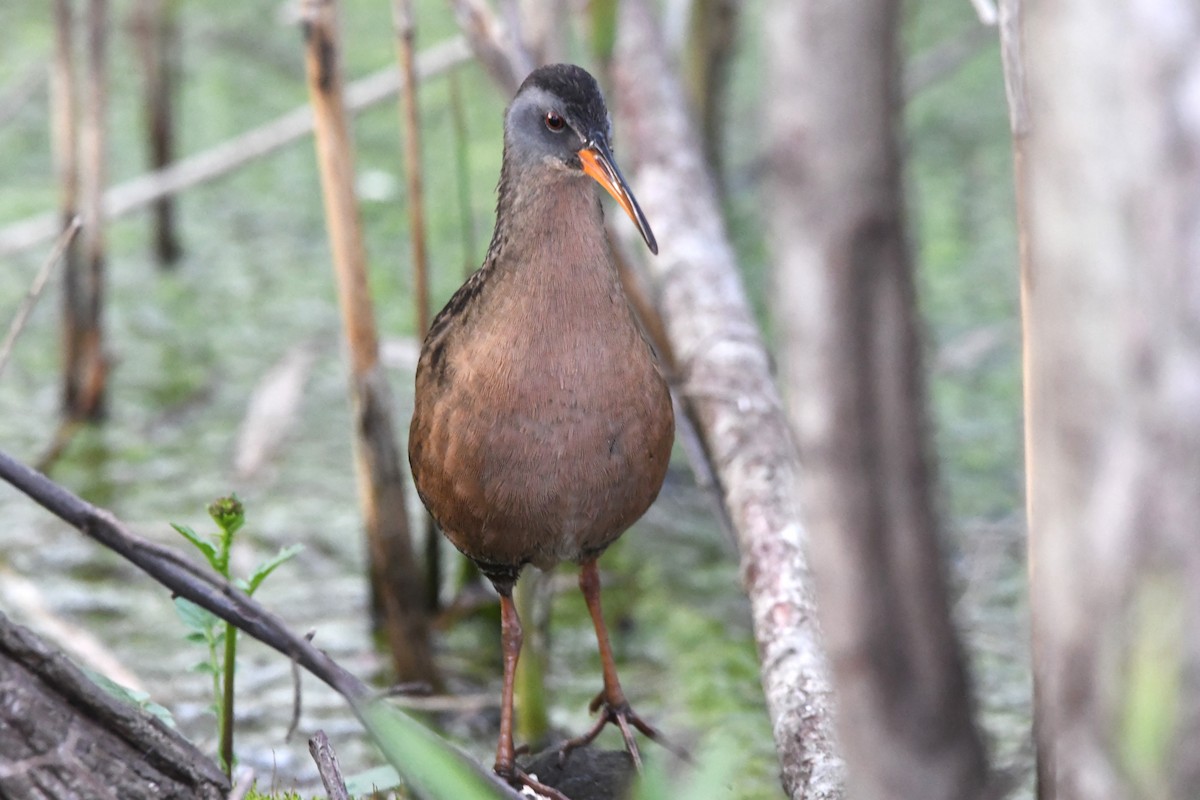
x=510 y=643
x=611 y=701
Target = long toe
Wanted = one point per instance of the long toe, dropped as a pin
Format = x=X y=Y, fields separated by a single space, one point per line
x=519 y=778
x=626 y=719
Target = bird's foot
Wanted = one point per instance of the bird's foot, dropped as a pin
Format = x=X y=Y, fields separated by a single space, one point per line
x=626 y=719
x=519 y=779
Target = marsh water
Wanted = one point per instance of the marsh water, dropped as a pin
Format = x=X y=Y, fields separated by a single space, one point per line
x=190 y=352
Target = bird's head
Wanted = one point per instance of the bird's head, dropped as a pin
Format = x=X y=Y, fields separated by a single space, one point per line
x=558 y=119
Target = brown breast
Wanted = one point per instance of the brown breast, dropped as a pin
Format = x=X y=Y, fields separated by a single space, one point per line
x=542 y=425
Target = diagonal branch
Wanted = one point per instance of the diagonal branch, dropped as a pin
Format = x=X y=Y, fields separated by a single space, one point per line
x=504 y=58
x=181 y=576
x=185 y=579
x=35 y=291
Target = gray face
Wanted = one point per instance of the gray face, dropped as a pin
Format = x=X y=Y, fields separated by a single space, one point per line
x=540 y=128
x=558 y=121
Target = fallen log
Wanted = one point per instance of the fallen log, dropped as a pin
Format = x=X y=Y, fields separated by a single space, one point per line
x=62 y=735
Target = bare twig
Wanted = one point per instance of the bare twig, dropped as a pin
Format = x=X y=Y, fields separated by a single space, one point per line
x=402 y=19
x=234 y=153
x=1012 y=59
x=296 y=694
x=35 y=291
x=327 y=766
x=706 y=59
x=185 y=579
x=243 y=784
x=182 y=577
x=497 y=50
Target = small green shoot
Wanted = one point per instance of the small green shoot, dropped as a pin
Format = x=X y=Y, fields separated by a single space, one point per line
x=205 y=628
x=133 y=697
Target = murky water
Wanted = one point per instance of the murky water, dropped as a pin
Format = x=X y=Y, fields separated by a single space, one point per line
x=189 y=354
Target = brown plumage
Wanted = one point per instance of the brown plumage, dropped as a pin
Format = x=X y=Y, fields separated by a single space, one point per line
x=542 y=424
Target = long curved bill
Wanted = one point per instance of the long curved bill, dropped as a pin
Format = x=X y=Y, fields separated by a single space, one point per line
x=599 y=164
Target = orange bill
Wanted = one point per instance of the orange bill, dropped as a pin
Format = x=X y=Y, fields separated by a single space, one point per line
x=598 y=164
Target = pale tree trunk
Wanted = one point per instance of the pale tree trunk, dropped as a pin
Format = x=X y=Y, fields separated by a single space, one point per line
x=1111 y=171
x=851 y=360
x=726 y=386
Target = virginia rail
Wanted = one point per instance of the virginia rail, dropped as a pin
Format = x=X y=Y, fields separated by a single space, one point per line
x=542 y=424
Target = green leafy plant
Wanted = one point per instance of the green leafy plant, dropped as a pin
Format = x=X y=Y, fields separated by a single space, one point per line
x=137 y=699
x=206 y=628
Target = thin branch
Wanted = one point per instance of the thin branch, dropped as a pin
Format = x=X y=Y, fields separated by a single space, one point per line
x=497 y=50
x=327 y=766
x=234 y=153
x=186 y=579
x=245 y=782
x=35 y=291
x=402 y=19
x=182 y=577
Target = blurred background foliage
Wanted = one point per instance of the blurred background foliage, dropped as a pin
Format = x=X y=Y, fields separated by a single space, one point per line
x=190 y=345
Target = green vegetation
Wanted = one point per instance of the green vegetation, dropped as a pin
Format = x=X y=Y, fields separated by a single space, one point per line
x=133 y=697
x=206 y=628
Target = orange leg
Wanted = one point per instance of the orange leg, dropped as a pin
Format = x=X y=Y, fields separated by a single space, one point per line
x=510 y=642
x=612 y=698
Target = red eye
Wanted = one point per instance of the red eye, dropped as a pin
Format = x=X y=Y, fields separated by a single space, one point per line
x=554 y=122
